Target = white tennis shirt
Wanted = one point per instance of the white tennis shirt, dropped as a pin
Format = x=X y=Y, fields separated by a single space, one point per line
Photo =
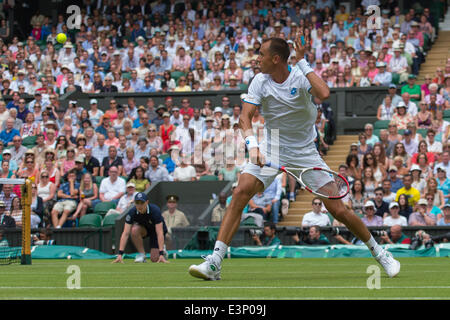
x=288 y=111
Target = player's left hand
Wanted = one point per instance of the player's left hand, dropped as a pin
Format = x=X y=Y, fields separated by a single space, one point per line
x=300 y=48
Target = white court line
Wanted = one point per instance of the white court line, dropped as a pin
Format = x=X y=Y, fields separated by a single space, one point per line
x=239 y=287
x=226 y=298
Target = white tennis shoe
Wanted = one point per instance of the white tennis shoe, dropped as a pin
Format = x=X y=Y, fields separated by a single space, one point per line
x=140 y=258
x=208 y=270
x=390 y=265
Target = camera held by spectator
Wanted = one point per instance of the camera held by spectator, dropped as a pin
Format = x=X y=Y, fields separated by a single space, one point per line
x=44 y=237
x=421 y=237
x=267 y=237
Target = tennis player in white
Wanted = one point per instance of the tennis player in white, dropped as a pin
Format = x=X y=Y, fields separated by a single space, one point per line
x=285 y=98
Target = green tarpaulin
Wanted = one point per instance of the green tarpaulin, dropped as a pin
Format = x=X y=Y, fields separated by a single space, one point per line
x=330 y=251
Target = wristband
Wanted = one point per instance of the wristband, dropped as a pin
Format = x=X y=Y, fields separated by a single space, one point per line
x=251 y=142
x=161 y=253
x=121 y=252
x=304 y=66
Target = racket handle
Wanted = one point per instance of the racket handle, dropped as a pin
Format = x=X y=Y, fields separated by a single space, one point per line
x=273 y=165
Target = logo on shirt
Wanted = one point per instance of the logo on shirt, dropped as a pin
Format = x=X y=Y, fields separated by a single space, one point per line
x=293 y=91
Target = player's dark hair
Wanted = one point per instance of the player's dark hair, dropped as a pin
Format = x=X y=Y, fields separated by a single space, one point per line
x=280 y=47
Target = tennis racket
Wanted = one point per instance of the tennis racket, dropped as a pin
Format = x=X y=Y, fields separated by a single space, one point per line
x=319 y=181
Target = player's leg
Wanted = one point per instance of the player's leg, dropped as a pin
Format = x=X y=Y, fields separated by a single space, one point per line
x=138 y=233
x=351 y=220
x=247 y=187
x=359 y=229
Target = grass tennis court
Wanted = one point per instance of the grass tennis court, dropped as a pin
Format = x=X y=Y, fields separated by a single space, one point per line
x=334 y=278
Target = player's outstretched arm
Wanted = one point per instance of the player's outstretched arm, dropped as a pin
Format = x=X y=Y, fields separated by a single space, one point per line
x=123 y=242
x=319 y=88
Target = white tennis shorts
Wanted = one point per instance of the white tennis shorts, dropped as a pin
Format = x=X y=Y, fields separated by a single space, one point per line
x=307 y=158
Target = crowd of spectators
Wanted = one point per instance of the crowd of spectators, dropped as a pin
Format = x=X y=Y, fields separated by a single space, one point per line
x=136 y=46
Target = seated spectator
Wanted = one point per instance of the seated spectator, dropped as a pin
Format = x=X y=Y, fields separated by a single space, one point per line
x=47 y=191
x=443 y=183
x=418 y=182
x=363 y=147
x=412 y=193
x=370 y=219
x=400 y=159
x=388 y=195
x=432 y=188
x=352 y=161
x=125 y=201
x=273 y=192
x=67 y=197
x=185 y=171
x=370 y=184
x=88 y=196
x=371 y=139
x=230 y=172
x=381 y=207
x=395 y=236
x=269 y=237
x=156 y=172
x=423 y=148
x=444 y=163
x=139 y=180
x=424 y=118
x=316 y=217
x=409 y=143
x=219 y=210
x=445 y=219
x=6 y=221
x=112 y=160
x=173 y=217
x=358 y=197
x=314 y=237
x=431 y=207
x=421 y=217
x=16 y=212
x=394 y=217
x=111 y=140
x=433 y=145
x=261 y=204
x=401 y=118
x=386 y=110
x=112 y=187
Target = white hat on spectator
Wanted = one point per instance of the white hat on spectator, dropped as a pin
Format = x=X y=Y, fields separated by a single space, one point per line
x=277 y=24
x=68 y=45
x=393 y=204
x=422 y=202
x=116 y=53
x=131 y=184
x=401 y=104
x=369 y=204
x=217 y=109
x=171 y=38
x=381 y=64
x=140 y=38
x=415 y=167
x=93 y=101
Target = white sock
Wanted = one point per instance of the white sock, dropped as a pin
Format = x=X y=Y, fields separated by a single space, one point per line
x=220 y=249
x=373 y=246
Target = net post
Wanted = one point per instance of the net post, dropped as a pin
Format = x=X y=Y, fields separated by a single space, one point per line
x=26 y=223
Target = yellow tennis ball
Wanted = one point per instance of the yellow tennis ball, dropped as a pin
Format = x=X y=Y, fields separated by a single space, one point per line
x=61 y=38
